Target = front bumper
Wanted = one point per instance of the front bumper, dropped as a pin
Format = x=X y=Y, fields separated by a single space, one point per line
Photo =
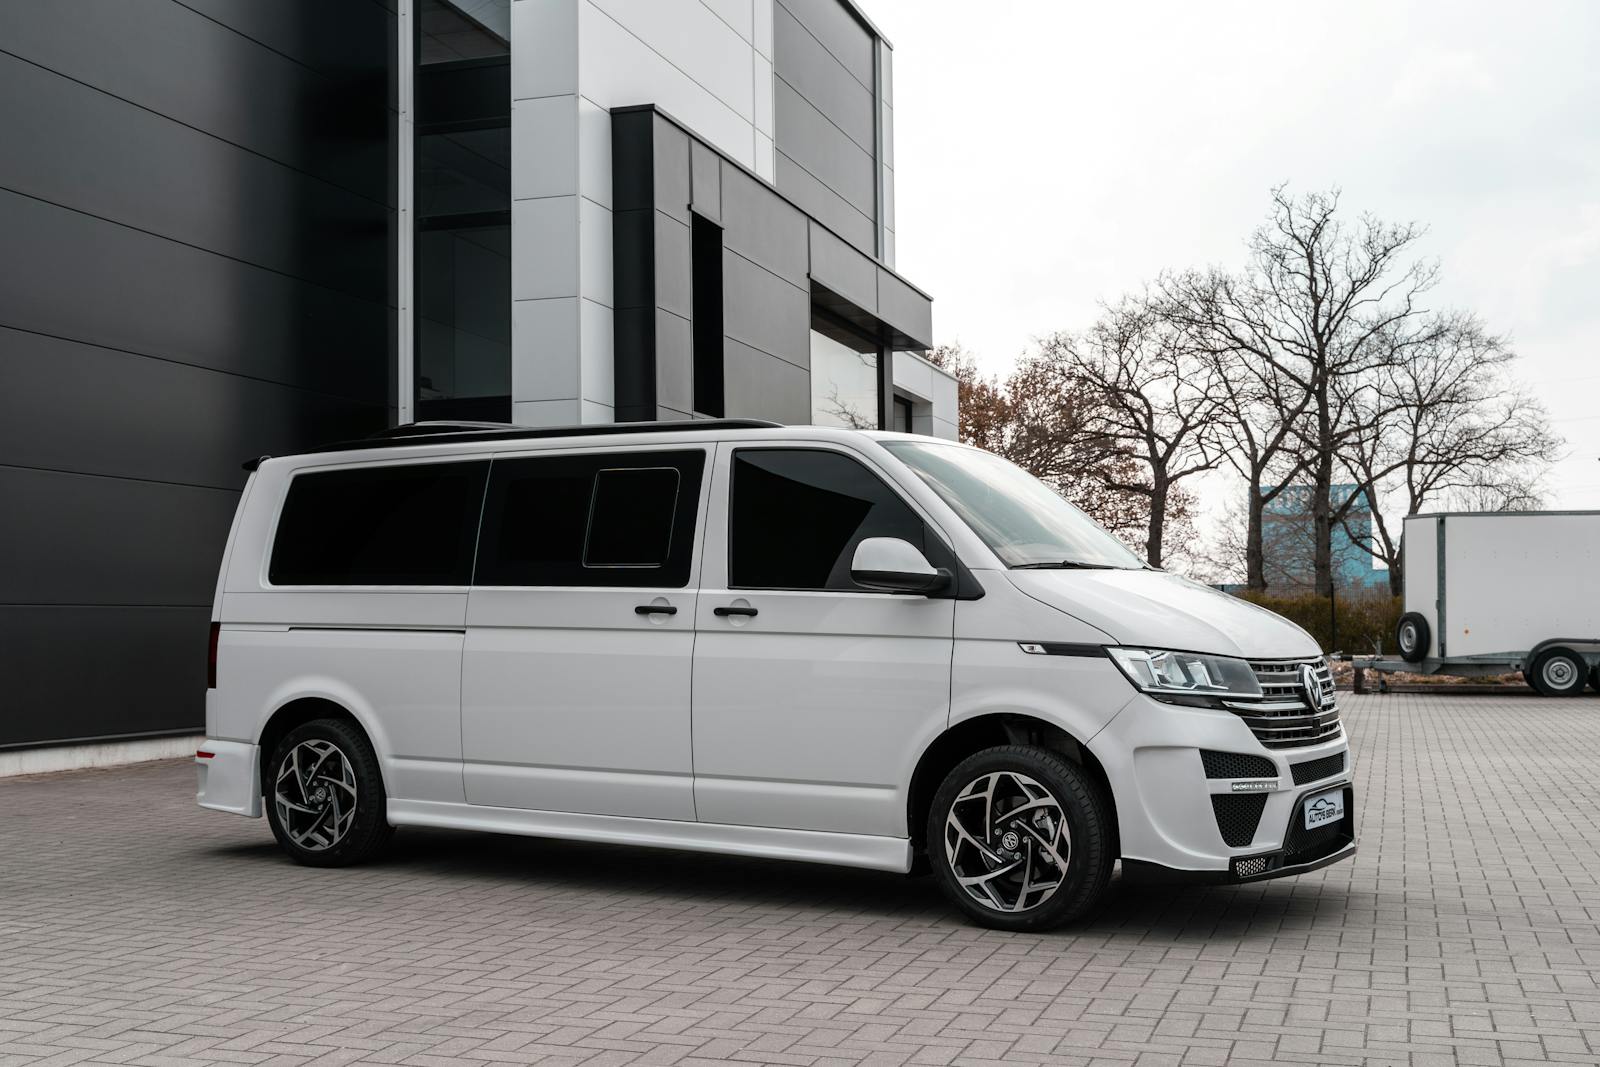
x=1176 y=823
x=230 y=777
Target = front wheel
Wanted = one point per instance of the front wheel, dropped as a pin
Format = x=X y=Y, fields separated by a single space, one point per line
x=325 y=796
x=1019 y=838
x=1558 y=672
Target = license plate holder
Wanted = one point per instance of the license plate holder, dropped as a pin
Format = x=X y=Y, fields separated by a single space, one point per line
x=1324 y=808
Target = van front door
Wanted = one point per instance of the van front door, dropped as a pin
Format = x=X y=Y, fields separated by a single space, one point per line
x=580 y=630
x=812 y=696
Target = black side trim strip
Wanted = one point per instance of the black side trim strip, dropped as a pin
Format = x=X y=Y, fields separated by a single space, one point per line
x=1056 y=648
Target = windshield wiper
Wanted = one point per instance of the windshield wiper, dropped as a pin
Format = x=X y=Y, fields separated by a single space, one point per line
x=1065 y=565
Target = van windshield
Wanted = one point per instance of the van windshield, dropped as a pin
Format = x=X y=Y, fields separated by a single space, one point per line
x=1025 y=522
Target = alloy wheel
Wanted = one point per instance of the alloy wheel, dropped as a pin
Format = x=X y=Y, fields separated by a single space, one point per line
x=1007 y=842
x=315 y=794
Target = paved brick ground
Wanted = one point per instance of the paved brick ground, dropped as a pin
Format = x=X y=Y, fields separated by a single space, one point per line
x=135 y=928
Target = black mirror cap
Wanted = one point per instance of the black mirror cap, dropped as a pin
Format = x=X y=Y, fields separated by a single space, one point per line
x=904 y=581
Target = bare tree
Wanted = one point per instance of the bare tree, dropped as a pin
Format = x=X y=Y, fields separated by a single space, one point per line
x=1452 y=426
x=1158 y=404
x=1049 y=423
x=1320 y=308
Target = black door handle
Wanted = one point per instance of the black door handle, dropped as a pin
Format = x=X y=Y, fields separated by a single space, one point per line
x=734 y=610
x=655 y=609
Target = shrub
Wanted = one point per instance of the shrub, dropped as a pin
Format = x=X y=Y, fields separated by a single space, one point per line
x=1365 y=621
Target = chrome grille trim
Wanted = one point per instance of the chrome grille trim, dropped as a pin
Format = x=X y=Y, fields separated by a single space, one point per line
x=1283 y=718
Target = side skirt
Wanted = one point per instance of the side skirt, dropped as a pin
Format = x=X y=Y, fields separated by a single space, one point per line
x=812 y=846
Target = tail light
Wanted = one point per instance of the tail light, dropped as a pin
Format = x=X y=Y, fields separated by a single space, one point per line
x=211 y=656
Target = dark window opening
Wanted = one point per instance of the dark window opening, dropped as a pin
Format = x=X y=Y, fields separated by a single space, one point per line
x=407 y=525
x=462 y=163
x=591 y=520
x=708 y=356
x=904 y=413
x=796 y=516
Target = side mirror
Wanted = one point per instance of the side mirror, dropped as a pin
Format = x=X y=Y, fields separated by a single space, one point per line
x=890 y=565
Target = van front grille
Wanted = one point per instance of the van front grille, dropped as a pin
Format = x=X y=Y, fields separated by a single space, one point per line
x=1238 y=816
x=1296 y=707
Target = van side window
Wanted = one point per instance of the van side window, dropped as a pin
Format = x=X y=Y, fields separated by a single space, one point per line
x=396 y=525
x=615 y=519
x=796 y=516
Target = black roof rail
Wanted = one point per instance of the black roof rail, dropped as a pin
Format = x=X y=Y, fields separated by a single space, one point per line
x=413 y=433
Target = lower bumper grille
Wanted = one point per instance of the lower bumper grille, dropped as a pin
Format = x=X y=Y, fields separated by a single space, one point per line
x=1237 y=765
x=1317 y=769
x=1238 y=816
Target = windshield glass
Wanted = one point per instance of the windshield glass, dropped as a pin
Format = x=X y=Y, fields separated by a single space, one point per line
x=1024 y=521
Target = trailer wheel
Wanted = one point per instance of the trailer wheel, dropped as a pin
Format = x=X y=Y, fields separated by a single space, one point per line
x=1411 y=636
x=1558 y=672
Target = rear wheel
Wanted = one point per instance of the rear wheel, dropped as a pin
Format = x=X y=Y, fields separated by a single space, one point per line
x=325 y=797
x=1558 y=672
x=1019 y=838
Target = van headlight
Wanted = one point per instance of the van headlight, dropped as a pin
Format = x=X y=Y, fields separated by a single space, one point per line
x=1164 y=673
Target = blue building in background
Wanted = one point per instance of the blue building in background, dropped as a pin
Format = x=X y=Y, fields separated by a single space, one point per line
x=1287 y=542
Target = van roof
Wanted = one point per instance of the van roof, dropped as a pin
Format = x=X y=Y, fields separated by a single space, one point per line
x=427 y=433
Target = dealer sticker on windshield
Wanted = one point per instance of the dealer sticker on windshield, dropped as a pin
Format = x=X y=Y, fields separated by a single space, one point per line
x=1324 y=808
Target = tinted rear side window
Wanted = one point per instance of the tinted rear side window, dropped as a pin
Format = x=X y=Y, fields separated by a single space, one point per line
x=405 y=525
x=606 y=520
x=796 y=516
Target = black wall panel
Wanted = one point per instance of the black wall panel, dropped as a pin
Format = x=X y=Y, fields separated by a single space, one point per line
x=197 y=202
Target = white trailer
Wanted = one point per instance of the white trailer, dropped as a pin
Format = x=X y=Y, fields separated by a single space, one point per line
x=1494 y=592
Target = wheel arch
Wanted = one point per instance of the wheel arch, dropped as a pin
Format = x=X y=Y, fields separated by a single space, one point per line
x=299 y=711
x=986 y=731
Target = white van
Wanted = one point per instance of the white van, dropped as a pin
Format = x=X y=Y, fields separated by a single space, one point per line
x=848 y=647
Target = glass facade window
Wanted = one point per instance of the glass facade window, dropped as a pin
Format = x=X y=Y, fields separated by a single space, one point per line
x=462 y=160
x=845 y=378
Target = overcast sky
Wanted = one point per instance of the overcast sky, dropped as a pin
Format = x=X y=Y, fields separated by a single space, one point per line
x=1052 y=154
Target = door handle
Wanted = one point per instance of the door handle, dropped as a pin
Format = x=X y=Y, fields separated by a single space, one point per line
x=734 y=609
x=655 y=609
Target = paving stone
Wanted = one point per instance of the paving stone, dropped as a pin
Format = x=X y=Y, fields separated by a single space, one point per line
x=136 y=928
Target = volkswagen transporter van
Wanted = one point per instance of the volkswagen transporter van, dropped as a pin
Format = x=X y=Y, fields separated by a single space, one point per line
x=794 y=642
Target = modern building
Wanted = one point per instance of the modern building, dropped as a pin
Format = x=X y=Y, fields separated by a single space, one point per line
x=237 y=228
x=1287 y=542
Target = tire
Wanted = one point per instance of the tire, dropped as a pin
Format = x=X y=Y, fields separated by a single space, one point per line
x=1411 y=637
x=1594 y=679
x=332 y=810
x=1045 y=782
x=1558 y=672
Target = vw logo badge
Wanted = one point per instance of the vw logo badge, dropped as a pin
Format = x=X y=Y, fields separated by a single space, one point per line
x=1310 y=684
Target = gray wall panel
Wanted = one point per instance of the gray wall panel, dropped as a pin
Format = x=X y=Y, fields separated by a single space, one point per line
x=762 y=386
x=90 y=540
x=816 y=74
x=825 y=205
x=905 y=309
x=78 y=673
x=844 y=269
x=806 y=136
x=832 y=24
x=761 y=227
x=763 y=311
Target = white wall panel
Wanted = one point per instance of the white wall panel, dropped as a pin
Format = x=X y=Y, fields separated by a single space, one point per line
x=544 y=248
x=544 y=147
x=544 y=56
x=738 y=14
x=547 y=331
x=688 y=35
x=594 y=152
x=617 y=68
